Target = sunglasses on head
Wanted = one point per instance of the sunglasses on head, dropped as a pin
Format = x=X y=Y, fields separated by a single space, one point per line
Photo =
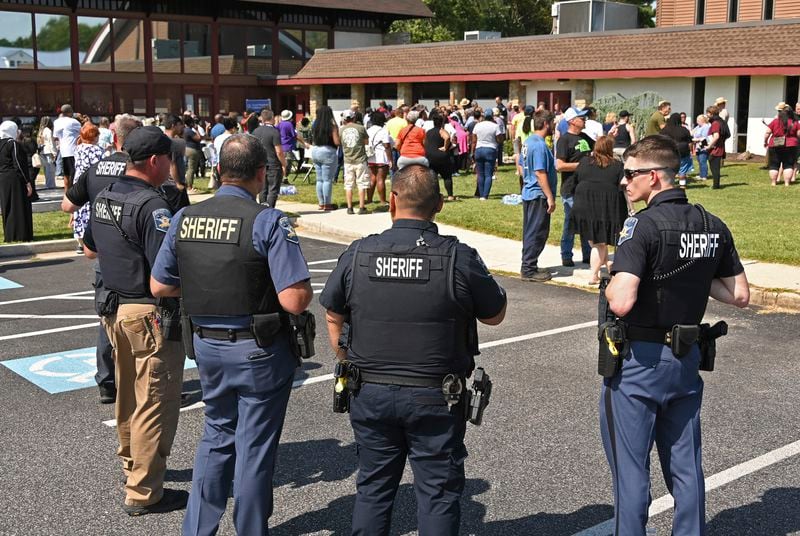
x=631 y=173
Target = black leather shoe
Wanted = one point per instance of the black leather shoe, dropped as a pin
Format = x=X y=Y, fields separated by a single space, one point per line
x=108 y=394
x=173 y=499
x=567 y=262
x=586 y=261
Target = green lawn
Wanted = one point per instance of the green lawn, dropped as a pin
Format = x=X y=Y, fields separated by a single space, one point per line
x=763 y=219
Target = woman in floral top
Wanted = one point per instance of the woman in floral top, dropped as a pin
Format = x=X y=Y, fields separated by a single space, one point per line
x=87 y=153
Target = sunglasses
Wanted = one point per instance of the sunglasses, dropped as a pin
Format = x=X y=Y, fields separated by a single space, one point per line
x=631 y=173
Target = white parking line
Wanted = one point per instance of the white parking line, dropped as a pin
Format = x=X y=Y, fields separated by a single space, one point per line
x=47 y=331
x=319 y=271
x=662 y=504
x=321 y=262
x=67 y=296
x=326 y=377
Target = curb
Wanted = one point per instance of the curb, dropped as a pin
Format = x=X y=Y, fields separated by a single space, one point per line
x=775 y=299
x=35 y=248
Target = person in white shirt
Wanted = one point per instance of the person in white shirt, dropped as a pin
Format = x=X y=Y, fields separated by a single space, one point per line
x=66 y=131
x=230 y=129
x=593 y=128
x=379 y=162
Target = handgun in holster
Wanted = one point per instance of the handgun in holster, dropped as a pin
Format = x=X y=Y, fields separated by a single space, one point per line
x=304 y=331
x=478 y=396
x=708 y=343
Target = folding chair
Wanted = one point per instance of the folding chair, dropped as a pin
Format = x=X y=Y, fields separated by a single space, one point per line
x=307 y=164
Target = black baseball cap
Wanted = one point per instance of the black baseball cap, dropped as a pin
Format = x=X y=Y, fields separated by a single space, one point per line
x=624 y=113
x=144 y=142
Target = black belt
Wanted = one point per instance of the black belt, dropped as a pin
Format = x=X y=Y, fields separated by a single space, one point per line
x=144 y=300
x=221 y=334
x=405 y=381
x=659 y=335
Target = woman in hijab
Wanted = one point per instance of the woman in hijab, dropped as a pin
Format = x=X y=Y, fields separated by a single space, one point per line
x=15 y=190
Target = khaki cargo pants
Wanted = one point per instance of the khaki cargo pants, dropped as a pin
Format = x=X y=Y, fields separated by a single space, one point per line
x=149 y=377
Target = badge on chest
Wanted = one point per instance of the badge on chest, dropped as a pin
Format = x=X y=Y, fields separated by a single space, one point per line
x=399 y=268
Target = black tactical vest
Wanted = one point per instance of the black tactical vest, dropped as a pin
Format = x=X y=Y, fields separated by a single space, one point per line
x=689 y=252
x=122 y=260
x=404 y=317
x=105 y=172
x=221 y=272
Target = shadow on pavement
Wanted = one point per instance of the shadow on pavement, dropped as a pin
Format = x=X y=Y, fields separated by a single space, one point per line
x=776 y=514
x=335 y=519
x=307 y=462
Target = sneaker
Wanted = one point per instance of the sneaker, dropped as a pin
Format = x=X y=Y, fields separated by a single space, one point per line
x=108 y=394
x=350 y=210
x=567 y=262
x=362 y=211
x=173 y=499
x=483 y=199
x=79 y=250
x=539 y=276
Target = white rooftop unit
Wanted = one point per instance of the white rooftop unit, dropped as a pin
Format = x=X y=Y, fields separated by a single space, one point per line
x=582 y=16
x=479 y=35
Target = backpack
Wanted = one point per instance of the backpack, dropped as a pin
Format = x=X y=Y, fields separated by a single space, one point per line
x=724 y=131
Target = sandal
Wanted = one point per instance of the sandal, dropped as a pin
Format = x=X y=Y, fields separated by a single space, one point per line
x=594 y=282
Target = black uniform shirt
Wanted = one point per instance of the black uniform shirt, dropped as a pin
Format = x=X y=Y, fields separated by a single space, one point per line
x=150 y=223
x=475 y=288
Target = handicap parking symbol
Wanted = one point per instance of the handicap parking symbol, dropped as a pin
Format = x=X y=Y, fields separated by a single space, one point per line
x=61 y=371
x=6 y=284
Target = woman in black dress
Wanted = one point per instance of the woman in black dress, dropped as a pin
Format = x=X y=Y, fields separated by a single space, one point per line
x=600 y=206
x=437 y=151
x=15 y=188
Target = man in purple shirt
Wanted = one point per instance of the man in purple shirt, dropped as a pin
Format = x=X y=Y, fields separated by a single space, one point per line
x=288 y=140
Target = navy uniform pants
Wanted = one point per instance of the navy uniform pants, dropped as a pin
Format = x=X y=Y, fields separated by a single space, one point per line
x=246 y=391
x=392 y=423
x=656 y=397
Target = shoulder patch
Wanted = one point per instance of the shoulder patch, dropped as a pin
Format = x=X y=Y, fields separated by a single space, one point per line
x=288 y=231
x=162 y=218
x=627 y=230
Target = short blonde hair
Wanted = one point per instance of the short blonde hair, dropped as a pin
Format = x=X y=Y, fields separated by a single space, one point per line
x=611 y=117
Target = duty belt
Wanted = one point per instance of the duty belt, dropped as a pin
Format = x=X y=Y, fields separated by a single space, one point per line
x=659 y=335
x=389 y=379
x=221 y=334
x=144 y=300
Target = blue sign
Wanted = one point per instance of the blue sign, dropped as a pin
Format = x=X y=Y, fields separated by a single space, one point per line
x=6 y=284
x=62 y=371
x=257 y=104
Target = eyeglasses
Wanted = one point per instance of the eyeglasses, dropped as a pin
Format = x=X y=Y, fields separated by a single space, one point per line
x=631 y=173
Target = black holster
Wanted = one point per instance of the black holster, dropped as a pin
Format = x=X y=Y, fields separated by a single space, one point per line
x=683 y=338
x=170 y=311
x=346 y=381
x=106 y=302
x=708 y=343
x=265 y=328
x=612 y=347
x=479 y=396
x=187 y=335
x=304 y=331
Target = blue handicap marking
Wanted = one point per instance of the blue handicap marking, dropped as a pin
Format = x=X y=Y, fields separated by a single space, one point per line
x=6 y=284
x=62 y=371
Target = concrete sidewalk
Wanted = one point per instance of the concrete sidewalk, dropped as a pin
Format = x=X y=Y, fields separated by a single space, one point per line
x=772 y=285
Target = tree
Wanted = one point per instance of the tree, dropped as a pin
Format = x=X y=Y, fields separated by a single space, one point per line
x=451 y=18
x=55 y=36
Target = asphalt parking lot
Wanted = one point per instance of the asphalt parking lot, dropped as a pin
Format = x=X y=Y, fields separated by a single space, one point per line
x=535 y=467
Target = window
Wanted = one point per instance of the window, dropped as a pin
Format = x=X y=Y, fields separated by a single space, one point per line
x=53 y=42
x=129 y=45
x=792 y=90
x=16 y=41
x=197 y=49
x=166 y=46
x=733 y=10
x=95 y=44
x=167 y=99
x=130 y=98
x=232 y=49
x=259 y=50
x=427 y=93
x=700 y=12
x=97 y=100
x=742 y=112
x=231 y=99
x=698 y=97
x=17 y=99
x=313 y=41
x=375 y=93
x=52 y=96
x=769 y=9
x=290 y=44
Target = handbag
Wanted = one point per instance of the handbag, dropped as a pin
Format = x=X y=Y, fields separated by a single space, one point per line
x=36 y=160
x=780 y=141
